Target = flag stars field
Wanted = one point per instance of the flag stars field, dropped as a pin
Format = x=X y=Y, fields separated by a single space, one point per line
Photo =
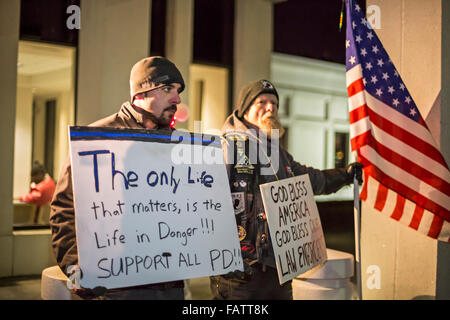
x=369 y=53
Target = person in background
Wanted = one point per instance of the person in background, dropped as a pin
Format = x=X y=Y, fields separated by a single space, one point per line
x=254 y=128
x=42 y=189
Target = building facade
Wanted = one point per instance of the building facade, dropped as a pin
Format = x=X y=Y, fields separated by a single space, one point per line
x=48 y=84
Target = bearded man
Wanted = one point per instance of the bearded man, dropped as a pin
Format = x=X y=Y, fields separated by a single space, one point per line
x=155 y=85
x=253 y=156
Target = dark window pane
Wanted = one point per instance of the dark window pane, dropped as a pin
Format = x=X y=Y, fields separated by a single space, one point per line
x=46 y=20
x=310 y=28
x=50 y=120
x=158 y=28
x=213 y=32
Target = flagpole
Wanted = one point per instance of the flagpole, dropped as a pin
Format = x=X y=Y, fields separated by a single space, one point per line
x=356 y=207
x=357 y=218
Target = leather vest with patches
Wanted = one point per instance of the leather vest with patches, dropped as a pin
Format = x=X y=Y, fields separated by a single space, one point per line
x=245 y=178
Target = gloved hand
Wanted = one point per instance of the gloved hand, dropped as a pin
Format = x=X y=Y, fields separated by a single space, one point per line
x=339 y=177
x=90 y=293
x=74 y=276
x=355 y=168
x=237 y=274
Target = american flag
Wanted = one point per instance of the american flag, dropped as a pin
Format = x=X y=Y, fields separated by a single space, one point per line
x=402 y=163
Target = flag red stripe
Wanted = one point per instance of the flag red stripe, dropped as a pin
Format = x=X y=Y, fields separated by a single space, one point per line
x=405 y=136
x=358 y=114
x=358 y=86
x=413 y=169
x=355 y=87
x=363 y=194
x=422 y=122
x=436 y=224
x=417 y=217
x=436 y=227
x=399 y=207
x=381 y=197
x=403 y=190
x=360 y=140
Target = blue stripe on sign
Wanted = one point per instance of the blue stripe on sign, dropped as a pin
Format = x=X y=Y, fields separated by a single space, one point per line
x=138 y=135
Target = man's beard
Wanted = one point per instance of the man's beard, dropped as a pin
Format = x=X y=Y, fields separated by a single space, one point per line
x=164 y=121
x=270 y=124
x=161 y=122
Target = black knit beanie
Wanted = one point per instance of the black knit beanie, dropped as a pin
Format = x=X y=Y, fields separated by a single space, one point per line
x=251 y=91
x=152 y=73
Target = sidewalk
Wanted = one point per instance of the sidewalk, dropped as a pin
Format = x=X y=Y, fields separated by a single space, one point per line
x=20 y=288
x=29 y=288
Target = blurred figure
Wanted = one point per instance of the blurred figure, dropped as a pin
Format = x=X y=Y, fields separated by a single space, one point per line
x=42 y=188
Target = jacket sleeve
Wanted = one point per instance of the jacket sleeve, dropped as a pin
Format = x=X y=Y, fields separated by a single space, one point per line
x=62 y=221
x=322 y=181
x=32 y=197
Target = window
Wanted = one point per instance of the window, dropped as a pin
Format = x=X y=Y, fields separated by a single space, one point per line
x=44 y=109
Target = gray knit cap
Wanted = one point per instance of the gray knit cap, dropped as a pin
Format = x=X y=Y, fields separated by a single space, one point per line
x=251 y=91
x=152 y=73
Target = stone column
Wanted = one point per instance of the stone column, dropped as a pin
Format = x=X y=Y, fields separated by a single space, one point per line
x=405 y=263
x=253 y=34
x=9 y=41
x=443 y=263
x=179 y=41
x=114 y=35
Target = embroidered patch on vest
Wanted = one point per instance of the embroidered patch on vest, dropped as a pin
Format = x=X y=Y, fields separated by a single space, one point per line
x=238 y=202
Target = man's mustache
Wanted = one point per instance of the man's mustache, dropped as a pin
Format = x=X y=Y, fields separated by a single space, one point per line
x=269 y=116
x=171 y=108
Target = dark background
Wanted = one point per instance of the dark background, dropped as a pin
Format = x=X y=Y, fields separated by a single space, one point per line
x=308 y=28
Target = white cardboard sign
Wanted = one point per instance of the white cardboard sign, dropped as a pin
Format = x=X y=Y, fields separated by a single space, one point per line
x=294 y=225
x=143 y=218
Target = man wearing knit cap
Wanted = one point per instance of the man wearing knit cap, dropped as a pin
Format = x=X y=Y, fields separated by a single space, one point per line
x=253 y=157
x=155 y=85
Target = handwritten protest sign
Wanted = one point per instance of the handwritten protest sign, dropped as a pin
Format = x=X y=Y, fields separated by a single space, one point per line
x=145 y=213
x=294 y=226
